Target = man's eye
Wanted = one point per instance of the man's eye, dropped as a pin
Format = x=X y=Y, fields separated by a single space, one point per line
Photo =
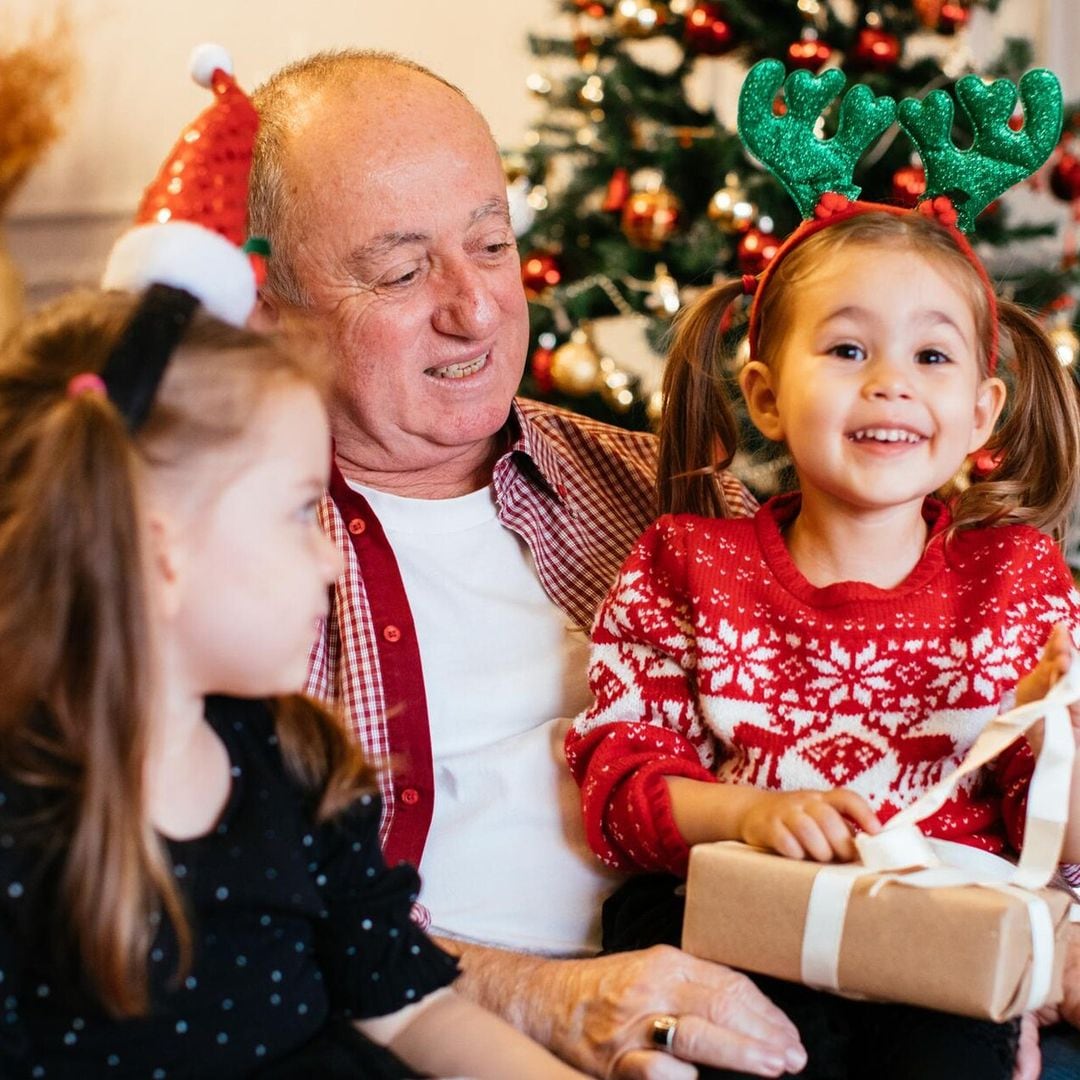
x=405 y=278
x=847 y=351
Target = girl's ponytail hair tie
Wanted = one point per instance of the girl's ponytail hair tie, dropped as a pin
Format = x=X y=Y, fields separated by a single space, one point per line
x=86 y=382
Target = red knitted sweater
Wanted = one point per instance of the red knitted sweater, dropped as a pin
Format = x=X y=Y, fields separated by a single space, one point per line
x=714 y=658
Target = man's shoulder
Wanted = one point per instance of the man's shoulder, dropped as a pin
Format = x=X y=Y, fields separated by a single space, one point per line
x=575 y=434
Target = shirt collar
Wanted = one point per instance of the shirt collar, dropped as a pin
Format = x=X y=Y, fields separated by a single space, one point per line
x=532 y=452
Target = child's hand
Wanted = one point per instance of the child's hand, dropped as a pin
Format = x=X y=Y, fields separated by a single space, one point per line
x=1056 y=657
x=808 y=824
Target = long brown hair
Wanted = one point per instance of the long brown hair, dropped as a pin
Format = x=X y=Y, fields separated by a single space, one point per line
x=74 y=622
x=698 y=432
x=1036 y=444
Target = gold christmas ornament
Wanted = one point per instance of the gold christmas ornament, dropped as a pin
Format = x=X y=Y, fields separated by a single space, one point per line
x=575 y=366
x=1065 y=343
x=663 y=296
x=591 y=92
x=539 y=85
x=615 y=386
x=514 y=165
x=638 y=18
x=730 y=210
x=654 y=407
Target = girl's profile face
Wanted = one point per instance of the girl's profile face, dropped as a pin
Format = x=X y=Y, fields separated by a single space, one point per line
x=255 y=564
x=876 y=389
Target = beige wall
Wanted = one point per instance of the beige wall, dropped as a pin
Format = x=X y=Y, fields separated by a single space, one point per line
x=135 y=95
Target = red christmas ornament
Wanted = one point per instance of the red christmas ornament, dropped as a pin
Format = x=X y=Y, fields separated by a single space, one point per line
x=539 y=271
x=877 y=49
x=908 y=185
x=593 y=8
x=618 y=190
x=756 y=250
x=1065 y=177
x=649 y=218
x=809 y=53
x=708 y=30
x=952 y=17
x=540 y=366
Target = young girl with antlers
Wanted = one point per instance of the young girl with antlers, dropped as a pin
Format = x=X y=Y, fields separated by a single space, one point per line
x=789 y=679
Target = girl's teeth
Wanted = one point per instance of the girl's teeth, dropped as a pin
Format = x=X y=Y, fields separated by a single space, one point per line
x=886 y=435
x=460 y=371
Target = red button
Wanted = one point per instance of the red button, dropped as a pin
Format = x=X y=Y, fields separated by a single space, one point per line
x=410 y=796
x=357 y=526
x=391 y=633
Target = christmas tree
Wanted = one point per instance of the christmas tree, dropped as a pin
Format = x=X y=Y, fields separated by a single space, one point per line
x=631 y=195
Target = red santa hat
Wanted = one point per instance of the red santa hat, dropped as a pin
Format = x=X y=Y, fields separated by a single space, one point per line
x=191 y=225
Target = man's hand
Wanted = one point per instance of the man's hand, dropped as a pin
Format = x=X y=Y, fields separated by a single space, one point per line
x=807 y=824
x=1028 y=1058
x=1068 y=1009
x=597 y=1013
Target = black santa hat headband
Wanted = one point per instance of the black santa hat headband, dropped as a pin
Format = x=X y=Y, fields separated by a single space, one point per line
x=960 y=184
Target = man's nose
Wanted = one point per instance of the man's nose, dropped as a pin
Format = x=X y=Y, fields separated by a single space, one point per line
x=465 y=303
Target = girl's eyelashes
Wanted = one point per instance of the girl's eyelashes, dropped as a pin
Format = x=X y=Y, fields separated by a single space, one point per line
x=308 y=513
x=933 y=356
x=848 y=350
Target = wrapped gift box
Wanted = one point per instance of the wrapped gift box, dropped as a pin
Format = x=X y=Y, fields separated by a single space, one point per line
x=961 y=949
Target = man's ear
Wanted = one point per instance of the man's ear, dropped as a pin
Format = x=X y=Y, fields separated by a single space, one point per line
x=989 y=401
x=756 y=383
x=266 y=316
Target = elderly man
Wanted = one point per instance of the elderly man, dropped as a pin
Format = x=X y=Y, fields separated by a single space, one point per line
x=479 y=535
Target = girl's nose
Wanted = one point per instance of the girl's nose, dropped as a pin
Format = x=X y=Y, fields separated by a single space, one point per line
x=887 y=379
x=333 y=565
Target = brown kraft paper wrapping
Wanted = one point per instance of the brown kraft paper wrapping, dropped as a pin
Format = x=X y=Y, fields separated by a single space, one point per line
x=963 y=949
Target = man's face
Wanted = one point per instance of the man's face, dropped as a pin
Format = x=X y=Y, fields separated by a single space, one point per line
x=405 y=249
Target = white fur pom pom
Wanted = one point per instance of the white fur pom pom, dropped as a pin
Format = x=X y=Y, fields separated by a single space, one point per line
x=206 y=59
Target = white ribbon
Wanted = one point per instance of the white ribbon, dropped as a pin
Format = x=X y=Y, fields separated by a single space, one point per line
x=902 y=846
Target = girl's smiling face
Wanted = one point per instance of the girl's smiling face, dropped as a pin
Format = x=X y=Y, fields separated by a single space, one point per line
x=876 y=386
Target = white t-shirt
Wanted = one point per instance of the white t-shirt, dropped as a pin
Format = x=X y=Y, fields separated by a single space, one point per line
x=506 y=861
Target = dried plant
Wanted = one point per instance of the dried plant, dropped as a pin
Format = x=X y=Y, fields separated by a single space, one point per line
x=36 y=82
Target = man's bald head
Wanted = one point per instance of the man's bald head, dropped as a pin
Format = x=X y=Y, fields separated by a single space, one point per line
x=287 y=100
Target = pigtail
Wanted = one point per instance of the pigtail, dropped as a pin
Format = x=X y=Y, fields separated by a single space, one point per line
x=698 y=433
x=1038 y=446
x=74 y=651
x=320 y=756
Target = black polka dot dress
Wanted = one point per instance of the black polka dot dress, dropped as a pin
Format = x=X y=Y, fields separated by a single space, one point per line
x=298 y=927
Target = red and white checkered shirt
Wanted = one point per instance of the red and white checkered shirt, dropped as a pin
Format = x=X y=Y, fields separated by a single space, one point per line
x=578 y=492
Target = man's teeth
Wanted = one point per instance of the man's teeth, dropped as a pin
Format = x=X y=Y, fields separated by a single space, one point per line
x=878 y=434
x=459 y=371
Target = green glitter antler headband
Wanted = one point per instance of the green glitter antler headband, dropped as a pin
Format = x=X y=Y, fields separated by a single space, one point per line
x=788 y=145
x=998 y=157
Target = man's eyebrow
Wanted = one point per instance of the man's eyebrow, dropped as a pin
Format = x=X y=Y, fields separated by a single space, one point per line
x=388 y=242
x=383 y=245
x=494 y=205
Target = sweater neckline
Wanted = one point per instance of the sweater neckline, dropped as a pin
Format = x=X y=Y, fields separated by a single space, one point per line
x=779 y=511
